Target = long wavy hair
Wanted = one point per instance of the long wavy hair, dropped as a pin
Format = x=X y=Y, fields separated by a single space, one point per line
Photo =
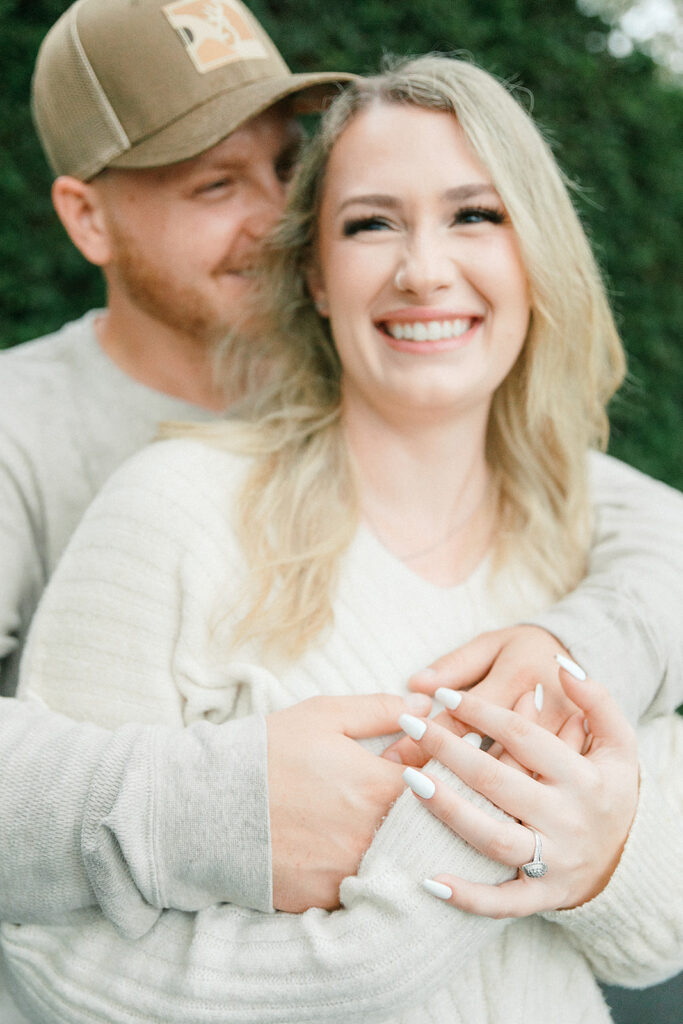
x=299 y=508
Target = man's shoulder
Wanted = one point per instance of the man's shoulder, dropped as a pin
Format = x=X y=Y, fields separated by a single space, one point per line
x=44 y=366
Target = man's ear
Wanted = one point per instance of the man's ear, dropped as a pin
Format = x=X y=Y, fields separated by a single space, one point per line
x=79 y=207
x=316 y=287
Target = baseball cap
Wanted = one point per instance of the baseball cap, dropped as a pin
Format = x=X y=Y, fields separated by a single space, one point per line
x=144 y=83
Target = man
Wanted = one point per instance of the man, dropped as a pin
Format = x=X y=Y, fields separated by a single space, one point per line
x=169 y=128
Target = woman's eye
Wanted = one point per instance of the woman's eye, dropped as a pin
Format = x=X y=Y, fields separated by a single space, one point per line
x=354 y=227
x=480 y=214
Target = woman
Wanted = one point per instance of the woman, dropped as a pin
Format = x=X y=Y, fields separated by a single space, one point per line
x=440 y=356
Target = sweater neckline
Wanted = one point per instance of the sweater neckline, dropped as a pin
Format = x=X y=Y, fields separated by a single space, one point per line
x=403 y=575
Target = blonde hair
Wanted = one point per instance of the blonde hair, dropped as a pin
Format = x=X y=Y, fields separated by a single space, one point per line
x=298 y=512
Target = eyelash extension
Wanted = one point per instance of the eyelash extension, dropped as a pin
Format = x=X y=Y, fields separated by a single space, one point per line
x=490 y=213
x=353 y=227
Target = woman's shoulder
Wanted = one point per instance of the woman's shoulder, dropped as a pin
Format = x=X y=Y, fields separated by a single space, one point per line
x=180 y=468
x=171 y=488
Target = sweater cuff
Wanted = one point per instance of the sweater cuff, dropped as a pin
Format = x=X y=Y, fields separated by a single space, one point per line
x=635 y=922
x=181 y=820
x=212 y=824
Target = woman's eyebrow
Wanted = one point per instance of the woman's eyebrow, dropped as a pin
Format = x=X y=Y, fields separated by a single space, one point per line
x=458 y=193
x=390 y=202
x=469 y=191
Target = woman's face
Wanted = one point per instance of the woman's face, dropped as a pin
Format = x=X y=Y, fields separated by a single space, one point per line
x=418 y=266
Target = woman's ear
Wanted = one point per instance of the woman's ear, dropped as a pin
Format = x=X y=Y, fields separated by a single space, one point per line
x=80 y=208
x=317 y=289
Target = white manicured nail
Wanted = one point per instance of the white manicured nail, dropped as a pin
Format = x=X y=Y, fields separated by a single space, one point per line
x=438 y=889
x=419 y=783
x=449 y=698
x=586 y=727
x=473 y=738
x=412 y=726
x=570 y=666
x=538 y=696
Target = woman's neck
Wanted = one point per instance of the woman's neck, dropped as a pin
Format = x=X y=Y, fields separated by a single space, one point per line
x=425 y=490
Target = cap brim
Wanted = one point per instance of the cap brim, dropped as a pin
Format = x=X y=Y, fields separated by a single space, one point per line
x=208 y=124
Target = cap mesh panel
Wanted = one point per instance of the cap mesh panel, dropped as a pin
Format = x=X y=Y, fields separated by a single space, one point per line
x=78 y=127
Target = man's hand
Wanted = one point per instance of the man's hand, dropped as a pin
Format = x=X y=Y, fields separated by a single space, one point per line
x=327 y=794
x=504 y=665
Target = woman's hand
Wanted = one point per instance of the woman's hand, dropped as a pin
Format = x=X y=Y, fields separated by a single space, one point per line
x=503 y=666
x=581 y=806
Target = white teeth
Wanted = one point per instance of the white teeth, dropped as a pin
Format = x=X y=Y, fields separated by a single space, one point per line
x=429 y=330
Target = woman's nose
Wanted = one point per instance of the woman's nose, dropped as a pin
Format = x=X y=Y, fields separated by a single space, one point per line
x=425 y=267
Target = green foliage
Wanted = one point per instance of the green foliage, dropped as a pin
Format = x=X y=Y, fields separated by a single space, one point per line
x=615 y=126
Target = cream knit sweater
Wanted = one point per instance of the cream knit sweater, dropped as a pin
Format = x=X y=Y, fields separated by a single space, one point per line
x=135 y=626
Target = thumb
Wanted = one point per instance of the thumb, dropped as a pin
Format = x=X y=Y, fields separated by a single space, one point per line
x=604 y=718
x=462 y=667
x=376 y=714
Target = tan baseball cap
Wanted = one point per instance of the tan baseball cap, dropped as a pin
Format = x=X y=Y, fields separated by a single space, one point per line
x=144 y=83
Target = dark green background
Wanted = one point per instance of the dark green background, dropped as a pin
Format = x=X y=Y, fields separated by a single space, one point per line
x=616 y=129
x=615 y=126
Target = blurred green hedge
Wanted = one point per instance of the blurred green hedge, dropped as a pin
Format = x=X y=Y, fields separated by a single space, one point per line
x=616 y=129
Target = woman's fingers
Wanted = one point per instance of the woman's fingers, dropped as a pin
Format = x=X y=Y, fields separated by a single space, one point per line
x=513 y=792
x=528 y=706
x=504 y=841
x=516 y=898
x=604 y=719
x=530 y=744
x=576 y=733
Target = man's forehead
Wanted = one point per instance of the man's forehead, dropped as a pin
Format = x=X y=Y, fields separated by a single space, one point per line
x=270 y=133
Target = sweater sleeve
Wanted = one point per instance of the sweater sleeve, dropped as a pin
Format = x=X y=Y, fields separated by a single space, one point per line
x=632 y=932
x=22 y=572
x=621 y=623
x=138 y=819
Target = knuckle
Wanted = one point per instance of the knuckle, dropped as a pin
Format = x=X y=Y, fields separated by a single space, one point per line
x=489 y=778
x=500 y=848
x=516 y=728
x=438 y=743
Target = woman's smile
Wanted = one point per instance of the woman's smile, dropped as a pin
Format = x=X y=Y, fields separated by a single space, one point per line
x=424 y=331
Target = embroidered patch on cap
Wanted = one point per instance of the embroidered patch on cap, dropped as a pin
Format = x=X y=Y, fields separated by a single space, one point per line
x=215 y=32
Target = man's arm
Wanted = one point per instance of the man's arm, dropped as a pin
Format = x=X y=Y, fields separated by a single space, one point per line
x=622 y=624
x=136 y=820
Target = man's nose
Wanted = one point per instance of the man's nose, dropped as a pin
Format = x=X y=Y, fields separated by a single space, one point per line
x=267 y=204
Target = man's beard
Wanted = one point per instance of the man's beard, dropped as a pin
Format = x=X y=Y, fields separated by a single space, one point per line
x=170 y=300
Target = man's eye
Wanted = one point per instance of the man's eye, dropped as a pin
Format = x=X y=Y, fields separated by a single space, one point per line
x=480 y=214
x=216 y=186
x=284 y=168
x=359 y=224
